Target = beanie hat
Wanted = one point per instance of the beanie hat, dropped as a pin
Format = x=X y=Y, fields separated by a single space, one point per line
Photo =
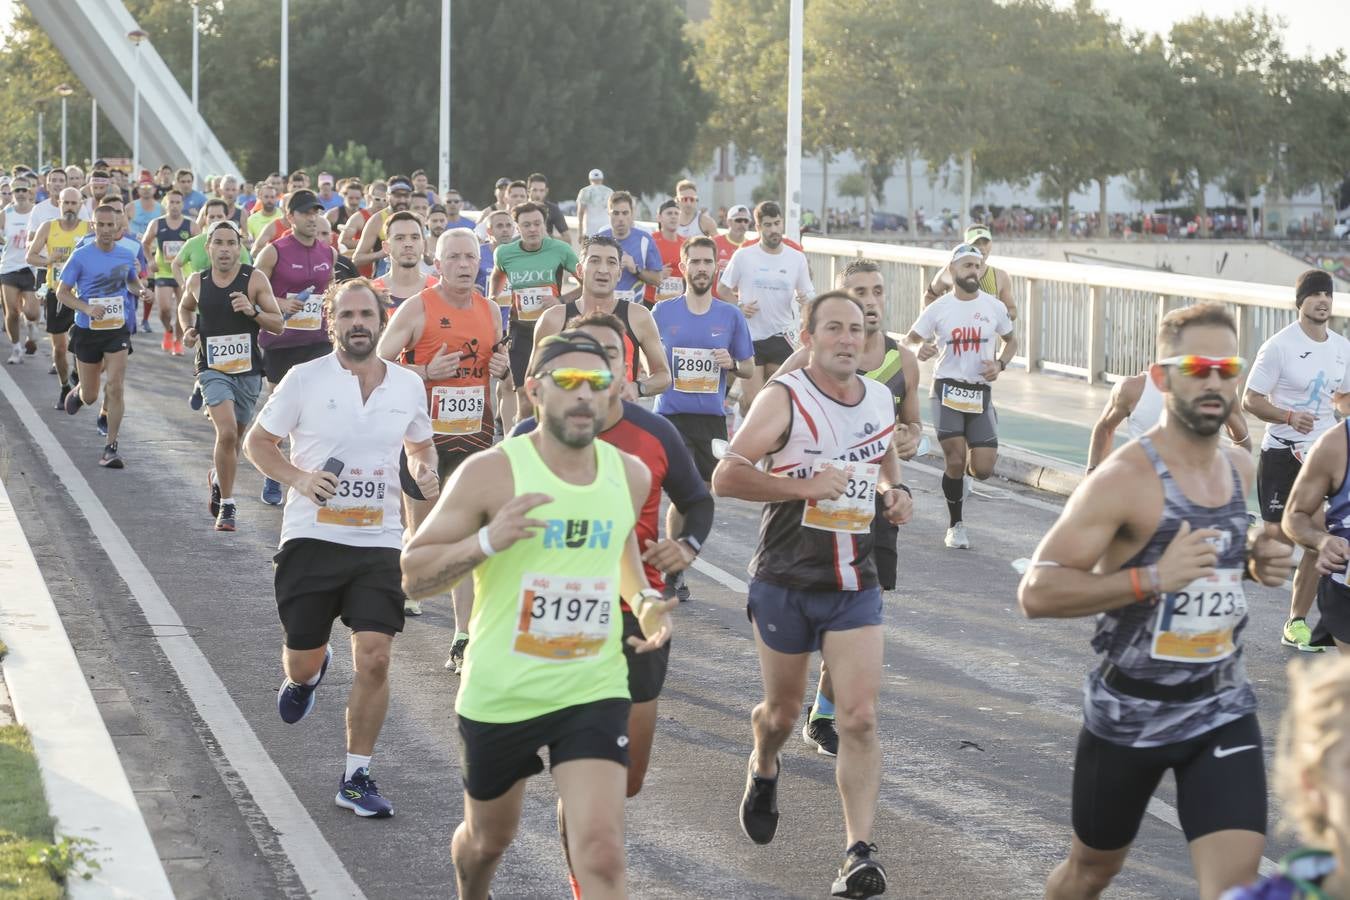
x=1313 y=281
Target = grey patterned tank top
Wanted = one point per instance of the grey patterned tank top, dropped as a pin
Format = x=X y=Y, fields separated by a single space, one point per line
x=1190 y=635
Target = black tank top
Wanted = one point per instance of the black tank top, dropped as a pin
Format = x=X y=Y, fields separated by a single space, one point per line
x=630 y=342
x=227 y=340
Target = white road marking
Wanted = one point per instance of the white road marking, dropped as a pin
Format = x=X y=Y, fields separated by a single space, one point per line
x=318 y=866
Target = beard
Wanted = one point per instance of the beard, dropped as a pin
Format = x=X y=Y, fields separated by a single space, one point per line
x=345 y=343
x=1201 y=423
x=969 y=285
x=575 y=438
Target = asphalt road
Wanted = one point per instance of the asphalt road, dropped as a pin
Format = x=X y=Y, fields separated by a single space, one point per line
x=979 y=710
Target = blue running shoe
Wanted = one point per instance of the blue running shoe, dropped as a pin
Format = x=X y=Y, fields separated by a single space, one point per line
x=195 y=401
x=294 y=701
x=102 y=424
x=361 y=796
x=271 y=492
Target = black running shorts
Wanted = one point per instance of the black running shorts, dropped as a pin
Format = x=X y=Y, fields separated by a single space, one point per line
x=320 y=581
x=91 y=346
x=1275 y=474
x=1333 y=602
x=447 y=461
x=646 y=671
x=698 y=432
x=277 y=361
x=60 y=318
x=772 y=351
x=23 y=279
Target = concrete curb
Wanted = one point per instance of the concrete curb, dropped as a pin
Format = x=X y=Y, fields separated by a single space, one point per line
x=1021 y=466
x=87 y=789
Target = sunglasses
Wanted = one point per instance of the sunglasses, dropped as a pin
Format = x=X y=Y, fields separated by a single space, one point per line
x=1200 y=366
x=571 y=379
x=746 y=221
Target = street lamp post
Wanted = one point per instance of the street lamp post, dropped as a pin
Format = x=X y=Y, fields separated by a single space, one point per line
x=792 y=215
x=64 y=91
x=40 y=153
x=93 y=131
x=285 y=83
x=136 y=37
x=445 y=98
x=196 y=112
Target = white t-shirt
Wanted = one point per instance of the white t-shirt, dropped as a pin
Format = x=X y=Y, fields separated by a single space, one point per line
x=1295 y=372
x=42 y=212
x=772 y=280
x=965 y=331
x=319 y=405
x=595 y=199
x=18 y=229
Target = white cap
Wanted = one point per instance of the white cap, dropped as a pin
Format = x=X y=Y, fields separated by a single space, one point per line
x=738 y=211
x=964 y=250
x=597 y=175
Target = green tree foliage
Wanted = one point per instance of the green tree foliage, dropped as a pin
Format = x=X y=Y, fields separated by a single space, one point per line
x=353 y=161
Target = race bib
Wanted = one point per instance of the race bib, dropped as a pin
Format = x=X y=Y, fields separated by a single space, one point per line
x=668 y=288
x=308 y=317
x=359 y=501
x=1196 y=623
x=171 y=249
x=114 y=313
x=963 y=399
x=696 y=371
x=457 y=410
x=564 y=618
x=852 y=512
x=530 y=301
x=231 y=354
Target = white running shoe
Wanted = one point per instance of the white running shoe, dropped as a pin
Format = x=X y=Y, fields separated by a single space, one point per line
x=412 y=607
x=957 y=539
x=15 y=355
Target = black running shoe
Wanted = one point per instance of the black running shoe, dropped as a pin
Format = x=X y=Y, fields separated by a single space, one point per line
x=110 y=458
x=820 y=733
x=73 y=402
x=759 y=806
x=214 y=503
x=456 y=661
x=102 y=424
x=677 y=584
x=225 y=520
x=860 y=875
x=61 y=403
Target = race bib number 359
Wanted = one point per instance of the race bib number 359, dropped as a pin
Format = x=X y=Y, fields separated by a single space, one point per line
x=852 y=513
x=359 y=502
x=562 y=619
x=1196 y=624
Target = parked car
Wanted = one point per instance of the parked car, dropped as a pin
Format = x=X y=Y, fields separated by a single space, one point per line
x=887 y=221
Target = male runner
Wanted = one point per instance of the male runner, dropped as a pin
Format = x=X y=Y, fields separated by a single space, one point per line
x=265 y=212
x=593 y=205
x=1300 y=381
x=300 y=268
x=449 y=335
x=193 y=255
x=537 y=185
x=1155 y=545
x=329 y=198
x=370 y=252
x=18 y=282
x=94 y=282
x=515 y=193
x=353 y=195
x=49 y=249
x=668 y=242
x=454 y=210
x=164 y=239
x=968 y=319
x=193 y=199
x=220 y=314
x=599 y=273
x=738 y=223
x=768 y=279
x=377 y=200
x=229 y=192
x=641 y=260
x=405 y=243
x=545 y=522
x=694 y=220
x=826 y=436
x=341 y=531
x=995 y=282
x=144 y=208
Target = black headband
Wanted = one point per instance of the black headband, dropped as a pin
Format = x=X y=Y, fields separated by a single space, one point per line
x=557 y=345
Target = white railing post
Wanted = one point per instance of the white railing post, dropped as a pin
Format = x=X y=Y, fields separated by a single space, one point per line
x=1096 y=363
x=1032 y=316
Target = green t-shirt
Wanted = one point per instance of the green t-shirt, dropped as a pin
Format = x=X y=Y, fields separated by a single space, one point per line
x=534 y=275
x=196 y=259
x=547 y=626
x=259 y=220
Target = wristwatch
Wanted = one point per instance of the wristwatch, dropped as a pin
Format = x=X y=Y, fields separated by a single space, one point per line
x=1002 y=366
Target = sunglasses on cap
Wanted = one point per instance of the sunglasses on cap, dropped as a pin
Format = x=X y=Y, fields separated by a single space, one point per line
x=1200 y=366
x=570 y=379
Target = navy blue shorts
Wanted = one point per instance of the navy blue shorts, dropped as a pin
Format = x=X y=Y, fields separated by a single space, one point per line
x=791 y=621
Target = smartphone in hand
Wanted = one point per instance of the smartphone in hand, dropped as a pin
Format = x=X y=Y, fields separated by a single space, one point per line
x=333 y=466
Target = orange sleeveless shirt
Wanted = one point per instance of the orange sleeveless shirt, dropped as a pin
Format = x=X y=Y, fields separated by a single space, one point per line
x=461 y=405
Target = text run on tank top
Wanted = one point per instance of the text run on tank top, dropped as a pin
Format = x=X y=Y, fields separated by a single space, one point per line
x=298 y=269
x=826 y=546
x=546 y=624
x=461 y=405
x=16 y=240
x=571 y=312
x=227 y=340
x=1189 y=635
x=1147 y=411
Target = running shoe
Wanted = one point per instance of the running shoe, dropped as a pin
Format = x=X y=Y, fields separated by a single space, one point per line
x=966 y=483
x=294 y=701
x=860 y=875
x=225 y=519
x=177 y=347
x=956 y=538
x=145 y=326
x=101 y=423
x=61 y=401
x=456 y=661
x=214 y=503
x=166 y=343
x=51 y=370
x=821 y=734
x=412 y=607
x=1298 y=635
x=271 y=492
x=677 y=584
x=30 y=347
x=15 y=355
x=73 y=402
x=759 y=806
x=74 y=376
x=361 y=796
x=195 y=401
x=110 y=458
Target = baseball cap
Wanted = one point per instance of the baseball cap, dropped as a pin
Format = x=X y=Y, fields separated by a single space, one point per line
x=739 y=211
x=302 y=200
x=669 y=204
x=44 y=170
x=146 y=177
x=964 y=250
x=596 y=175
x=978 y=233
x=399 y=183
x=502 y=182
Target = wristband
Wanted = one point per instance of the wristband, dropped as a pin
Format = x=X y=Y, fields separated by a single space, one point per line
x=694 y=543
x=1139 y=595
x=485 y=543
x=1288 y=417
x=1002 y=366
x=642 y=598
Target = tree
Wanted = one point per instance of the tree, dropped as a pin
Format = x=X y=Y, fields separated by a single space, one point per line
x=855 y=185
x=1314 y=103
x=353 y=162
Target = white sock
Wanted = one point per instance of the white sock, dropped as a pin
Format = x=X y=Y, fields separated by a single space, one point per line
x=355 y=762
x=224 y=500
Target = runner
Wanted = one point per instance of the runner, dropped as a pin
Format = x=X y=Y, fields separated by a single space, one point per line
x=266 y=211
x=598 y=275
x=405 y=245
x=377 y=200
x=537 y=185
x=348 y=415
x=220 y=314
x=668 y=242
x=328 y=198
x=229 y=192
x=100 y=187
x=163 y=241
x=1298 y=385
x=193 y=255
x=738 y=223
x=995 y=282
x=193 y=199
x=94 y=282
x=371 y=253
x=50 y=248
x=1316 y=515
x=353 y=195
x=449 y=335
x=540 y=671
x=768 y=280
x=641 y=260
x=144 y=209
x=707 y=343
x=515 y=193
x=593 y=205
x=438 y=220
x=963 y=405
x=694 y=220
x=18 y=282
x=813 y=580
x=454 y=210
x=655 y=441
x=300 y=269
x=1150 y=537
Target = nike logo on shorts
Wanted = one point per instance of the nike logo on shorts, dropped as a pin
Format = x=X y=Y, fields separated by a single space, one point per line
x=1220 y=752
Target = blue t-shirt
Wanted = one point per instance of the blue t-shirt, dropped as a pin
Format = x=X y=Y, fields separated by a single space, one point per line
x=193 y=203
x=332 y=202
x=142 y=218
x=462 y=222
x=485 y=257
x=91 y=272
x=643 y=249
x=722 y=327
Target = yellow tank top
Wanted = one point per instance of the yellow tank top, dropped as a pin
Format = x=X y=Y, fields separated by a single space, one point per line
x=989 y=281
x=546 y=624
x=60 y=244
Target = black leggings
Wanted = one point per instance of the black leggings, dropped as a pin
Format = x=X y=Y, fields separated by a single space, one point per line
x=1221 y=784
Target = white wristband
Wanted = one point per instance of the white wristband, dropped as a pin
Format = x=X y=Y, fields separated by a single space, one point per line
x=484 y=543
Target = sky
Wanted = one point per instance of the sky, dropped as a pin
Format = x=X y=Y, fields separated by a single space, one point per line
x=1322 y=25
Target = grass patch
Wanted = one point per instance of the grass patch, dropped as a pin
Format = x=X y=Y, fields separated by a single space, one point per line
x=25 y=826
